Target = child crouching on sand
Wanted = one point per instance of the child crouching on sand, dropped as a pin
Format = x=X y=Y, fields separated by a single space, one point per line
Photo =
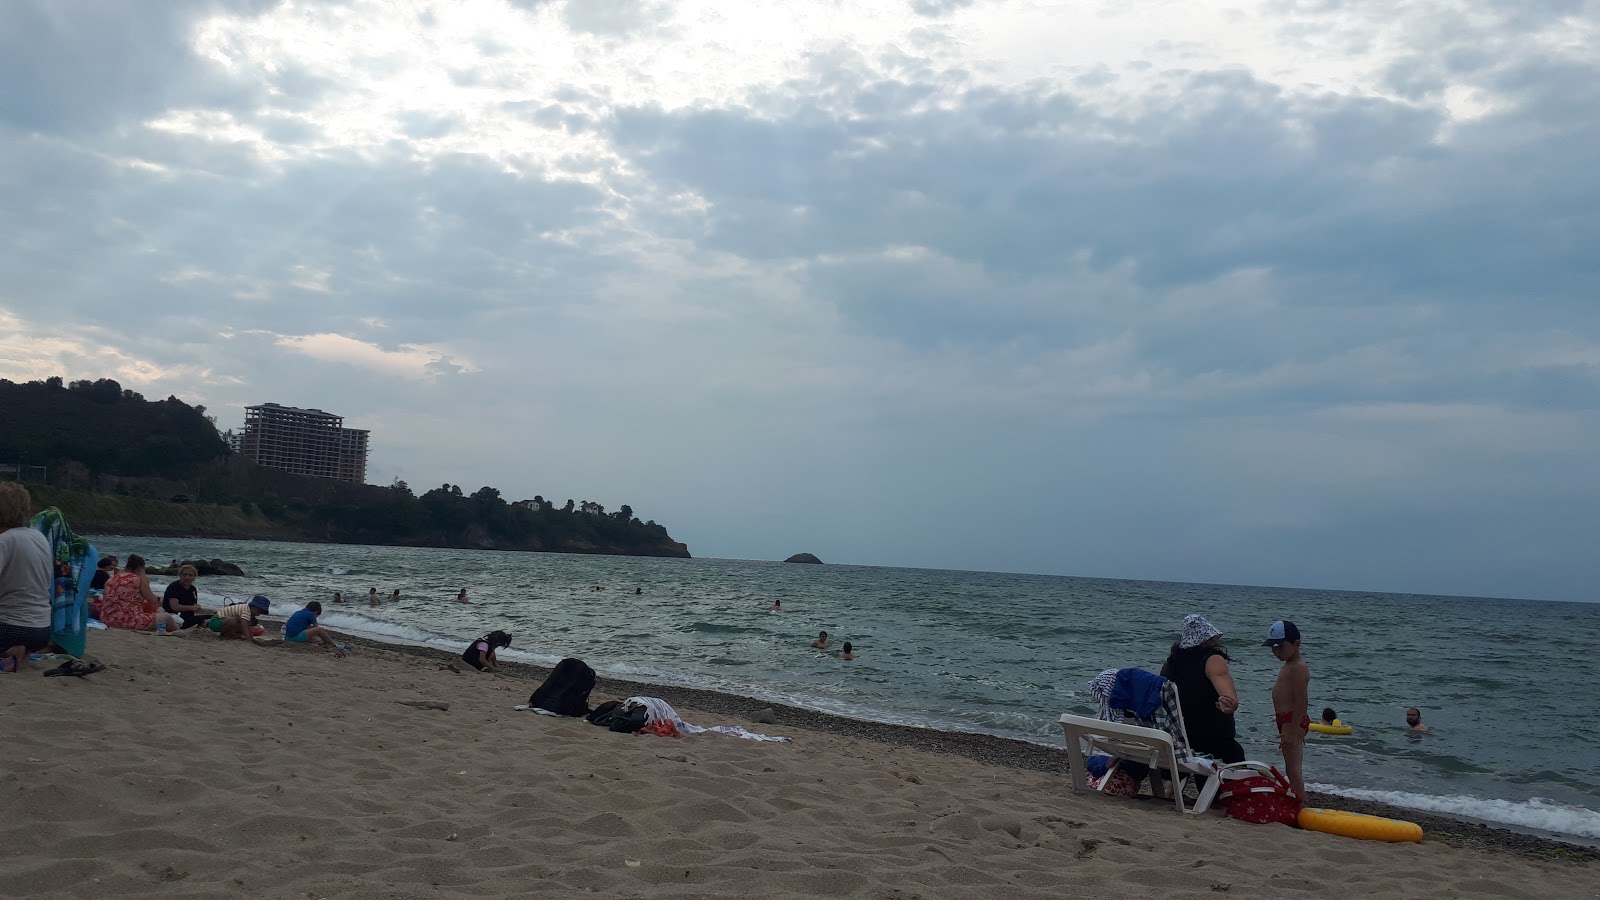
x=237 y=621
x=480 y=654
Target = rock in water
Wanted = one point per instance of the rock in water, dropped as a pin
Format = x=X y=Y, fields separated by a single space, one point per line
x=804 y=558
x=201 y=567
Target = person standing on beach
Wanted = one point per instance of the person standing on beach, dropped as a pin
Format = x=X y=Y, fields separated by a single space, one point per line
x=1291 y=697
x=1198 y=665
x=25 y=580
x=1414 y=721
x=302 y=628
x=821 y=643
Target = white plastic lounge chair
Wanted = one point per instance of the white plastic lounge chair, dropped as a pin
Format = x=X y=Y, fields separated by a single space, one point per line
x=1155 y=747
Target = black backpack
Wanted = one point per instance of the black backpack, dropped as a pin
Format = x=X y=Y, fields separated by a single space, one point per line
x=628 y=721
x=604 y=713
x=566 y=691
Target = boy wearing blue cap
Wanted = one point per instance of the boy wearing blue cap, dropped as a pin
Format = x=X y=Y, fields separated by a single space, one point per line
x=1291 y=697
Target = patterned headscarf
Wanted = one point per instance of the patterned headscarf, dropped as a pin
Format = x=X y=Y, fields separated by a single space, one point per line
x=1197 y=629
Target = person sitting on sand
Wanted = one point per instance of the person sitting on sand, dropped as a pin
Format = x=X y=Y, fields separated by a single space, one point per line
x=849 y=652
x=302 y=628
x=25 y=580
x=1329 y=717
x=821 y=643
x=103 y=571
x=462 y=597
x=372 y=597
x=1414 y=721
x=182 y=599
x=480 y=654
x=129 y=603
x=238 y=620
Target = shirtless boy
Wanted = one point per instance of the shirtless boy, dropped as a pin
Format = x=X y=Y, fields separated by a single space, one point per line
x=1291 y=696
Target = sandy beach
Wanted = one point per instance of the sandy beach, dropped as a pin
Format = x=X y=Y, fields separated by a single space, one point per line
x=197 y=768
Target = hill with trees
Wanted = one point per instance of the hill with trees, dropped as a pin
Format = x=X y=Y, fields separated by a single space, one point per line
x=114 y=461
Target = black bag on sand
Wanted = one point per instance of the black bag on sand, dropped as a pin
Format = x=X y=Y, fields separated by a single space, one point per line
x=603 y=713
x=566 y=691
x=628 y=721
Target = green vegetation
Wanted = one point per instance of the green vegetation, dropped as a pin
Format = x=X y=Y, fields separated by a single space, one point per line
x=118 y=462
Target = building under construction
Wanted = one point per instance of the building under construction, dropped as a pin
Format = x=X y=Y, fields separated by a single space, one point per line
x=305 y=442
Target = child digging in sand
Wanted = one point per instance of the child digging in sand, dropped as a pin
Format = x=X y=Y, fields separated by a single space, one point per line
x=1291 y=696
x=302 y=628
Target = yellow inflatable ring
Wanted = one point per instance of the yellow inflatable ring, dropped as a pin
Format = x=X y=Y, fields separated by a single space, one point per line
x=1337 y=727
x=1359 y=825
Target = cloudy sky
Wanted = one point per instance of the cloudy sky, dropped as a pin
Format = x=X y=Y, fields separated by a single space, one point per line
x=1297 y=292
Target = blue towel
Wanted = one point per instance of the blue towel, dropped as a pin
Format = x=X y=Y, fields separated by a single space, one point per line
x=1139 y=691
x=73 y=559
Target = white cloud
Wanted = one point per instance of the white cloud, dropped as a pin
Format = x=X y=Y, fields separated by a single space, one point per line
x=406 y=361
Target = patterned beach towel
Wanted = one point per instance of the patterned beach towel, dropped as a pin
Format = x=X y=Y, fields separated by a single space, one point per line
x=74 y=561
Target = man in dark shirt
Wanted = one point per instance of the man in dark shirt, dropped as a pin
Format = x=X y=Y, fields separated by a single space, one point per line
x=182 y=599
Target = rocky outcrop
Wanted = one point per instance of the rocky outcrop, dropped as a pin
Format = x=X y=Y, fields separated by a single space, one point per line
x=804 y=558
x=202 y=566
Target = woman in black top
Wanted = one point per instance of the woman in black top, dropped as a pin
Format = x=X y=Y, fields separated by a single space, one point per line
x=182 y=599
x=1199 y=667
x=103 y=573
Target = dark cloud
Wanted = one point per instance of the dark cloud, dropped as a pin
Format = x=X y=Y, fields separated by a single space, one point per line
x=95 y=65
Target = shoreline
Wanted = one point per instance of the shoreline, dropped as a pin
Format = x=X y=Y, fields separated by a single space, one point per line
x=1008 y=753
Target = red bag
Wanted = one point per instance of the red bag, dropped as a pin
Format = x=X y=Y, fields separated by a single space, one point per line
x=1260 y=799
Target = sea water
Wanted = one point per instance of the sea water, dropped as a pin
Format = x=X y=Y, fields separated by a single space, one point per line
x=1510 y=688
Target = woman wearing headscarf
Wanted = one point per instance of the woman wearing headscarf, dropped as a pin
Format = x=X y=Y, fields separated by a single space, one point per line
x=1199 y=667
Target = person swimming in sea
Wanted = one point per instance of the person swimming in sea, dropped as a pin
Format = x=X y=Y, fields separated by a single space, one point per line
x=1329 y=717
x=849 y=652
x=821 y=643
x=462 y=597
x=776 y=607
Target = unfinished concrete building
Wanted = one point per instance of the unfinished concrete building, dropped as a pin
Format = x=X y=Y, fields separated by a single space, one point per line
x=305 y=442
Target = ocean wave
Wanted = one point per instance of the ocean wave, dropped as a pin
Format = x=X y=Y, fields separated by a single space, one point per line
x=1537 y=814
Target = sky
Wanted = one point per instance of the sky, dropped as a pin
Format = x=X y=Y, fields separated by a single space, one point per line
x=1286 y=292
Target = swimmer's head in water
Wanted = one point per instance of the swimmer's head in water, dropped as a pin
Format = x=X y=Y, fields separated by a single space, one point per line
x=822 y=635
x=1413 y=716
x=848 y=648
x=1328 y=715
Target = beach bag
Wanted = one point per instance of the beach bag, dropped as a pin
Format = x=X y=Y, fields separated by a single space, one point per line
x=1121 y=784
x=566 y=691
x=630 y=720
x=1260 y=799
x=604 y=713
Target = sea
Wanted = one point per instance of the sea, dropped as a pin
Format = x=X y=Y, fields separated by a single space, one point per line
x=1509 y=688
